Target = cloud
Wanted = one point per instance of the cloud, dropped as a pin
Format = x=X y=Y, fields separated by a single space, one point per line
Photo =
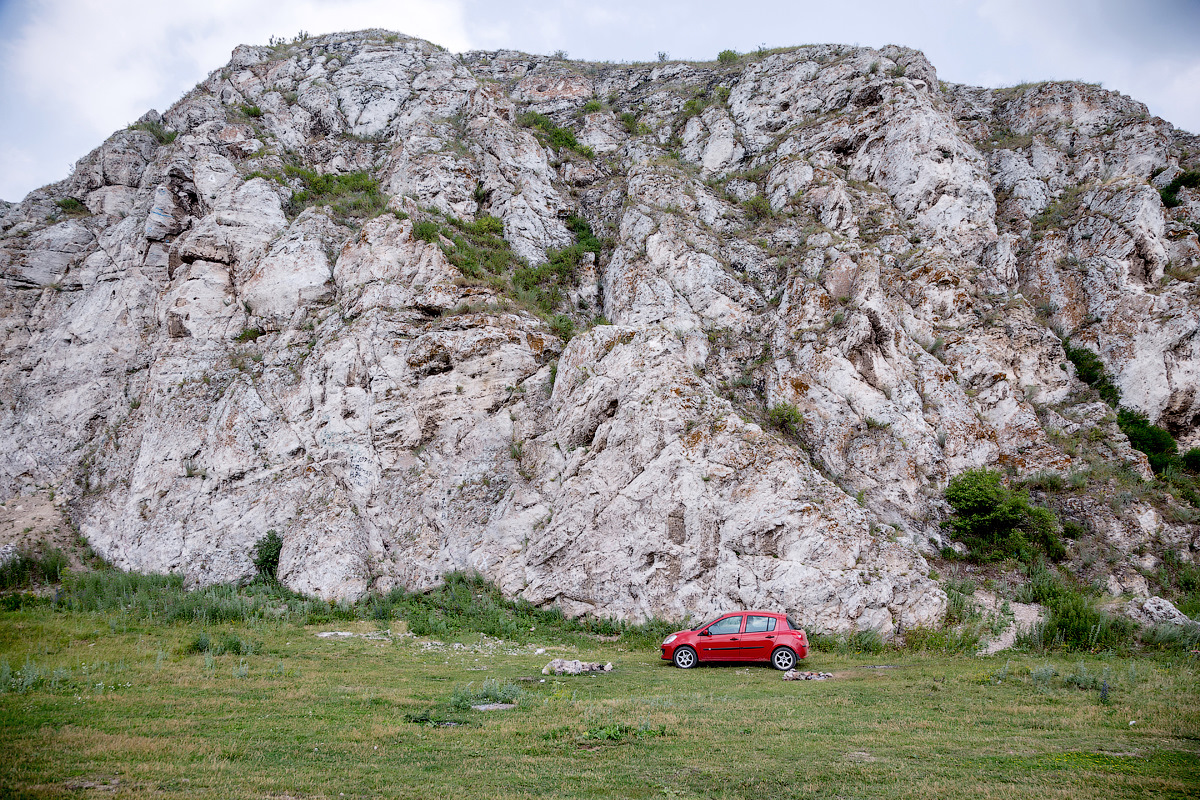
x=75 y=70
x=72 y=71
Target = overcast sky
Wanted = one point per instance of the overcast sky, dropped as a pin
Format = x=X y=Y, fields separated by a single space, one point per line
x=73 y=71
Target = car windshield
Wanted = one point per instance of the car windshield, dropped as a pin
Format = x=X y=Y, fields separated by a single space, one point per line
x=706 y=624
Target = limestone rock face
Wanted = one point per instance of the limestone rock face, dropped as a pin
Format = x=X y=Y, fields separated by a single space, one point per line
x=195 y=352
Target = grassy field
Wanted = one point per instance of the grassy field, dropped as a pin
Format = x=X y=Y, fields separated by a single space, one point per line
x=105 y=704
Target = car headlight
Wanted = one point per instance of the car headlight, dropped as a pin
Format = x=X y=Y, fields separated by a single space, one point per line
x=669 y=639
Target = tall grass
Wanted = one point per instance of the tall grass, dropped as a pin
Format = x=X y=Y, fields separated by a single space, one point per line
x=31 y=567
x=462 y=604
x=469 y=603
x=164 y=598
x=1072 y=621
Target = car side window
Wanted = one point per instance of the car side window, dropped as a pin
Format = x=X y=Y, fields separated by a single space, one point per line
x=756 y=624
x=727 y=625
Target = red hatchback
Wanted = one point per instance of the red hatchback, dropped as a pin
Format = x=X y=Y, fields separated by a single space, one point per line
x=742 y=636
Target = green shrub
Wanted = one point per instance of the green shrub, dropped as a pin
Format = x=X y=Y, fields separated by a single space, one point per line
x=1090 y=369
x=1073 y=529
x=592 y=106
x=15 y=601
x=544 y=283
x=1045 y=480
x=786 y=417
x=632 y=126
x=490 y=691
x=727 y=56
x=248 y=335
x=426 y=231
x=470 y=603
x=757 y=208
x=695 y=107
x=266 y=554
x=995 y=522
x=562 y=326
x=1168 y=636
x=942 y=640
x=621 y=731
x=236 y=646
x=252 y=111
x=1061 y=211
x=1170 y=192
x=478 y=249
x=867 y=641
x=1157 y=443
x=200 y=644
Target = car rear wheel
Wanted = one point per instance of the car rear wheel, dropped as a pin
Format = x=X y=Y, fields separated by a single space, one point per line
x=783 y=658
x=685 y=657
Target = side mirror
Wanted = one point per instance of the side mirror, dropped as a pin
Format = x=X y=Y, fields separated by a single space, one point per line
x=704 y=633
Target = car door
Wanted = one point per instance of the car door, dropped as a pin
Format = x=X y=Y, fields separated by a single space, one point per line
x=758 y=637
x=722 y=640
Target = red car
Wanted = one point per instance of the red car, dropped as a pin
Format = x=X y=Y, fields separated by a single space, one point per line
x=742 y=636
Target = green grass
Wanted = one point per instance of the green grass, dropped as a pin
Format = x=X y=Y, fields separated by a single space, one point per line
x=72 y=207
x=1060 y=212
x=554 y=136
x=89 y=697
x=155 y=129
x=545 y=284
x=353 y=195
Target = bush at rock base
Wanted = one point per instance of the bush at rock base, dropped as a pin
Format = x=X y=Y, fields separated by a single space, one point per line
x=995 y=522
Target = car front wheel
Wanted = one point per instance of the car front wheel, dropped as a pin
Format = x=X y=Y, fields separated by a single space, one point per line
x=685 y=657
x=783 y=658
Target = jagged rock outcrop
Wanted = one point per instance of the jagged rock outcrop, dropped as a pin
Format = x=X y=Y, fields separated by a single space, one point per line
x=195 y=354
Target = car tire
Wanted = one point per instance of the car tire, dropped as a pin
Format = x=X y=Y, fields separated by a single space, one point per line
x=685 y=657
x=784 y=658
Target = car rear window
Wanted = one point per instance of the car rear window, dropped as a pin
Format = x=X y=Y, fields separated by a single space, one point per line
x=757 y=624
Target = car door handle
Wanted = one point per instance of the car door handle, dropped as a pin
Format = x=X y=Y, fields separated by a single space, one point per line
x=733 y=639
x=770 y=637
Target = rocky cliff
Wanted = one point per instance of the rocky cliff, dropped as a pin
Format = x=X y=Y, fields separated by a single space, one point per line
x=745 y=320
